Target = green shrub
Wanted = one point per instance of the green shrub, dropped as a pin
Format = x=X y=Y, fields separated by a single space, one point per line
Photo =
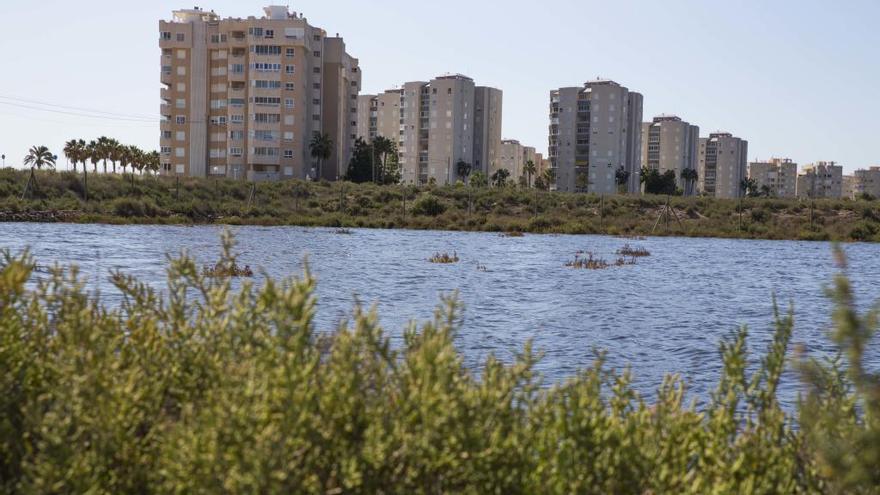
x=130 y=207
x=210 y=390
x=428 y=205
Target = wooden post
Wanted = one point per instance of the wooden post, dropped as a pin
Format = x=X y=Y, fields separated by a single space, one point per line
x=85 y=183
x=177 y=187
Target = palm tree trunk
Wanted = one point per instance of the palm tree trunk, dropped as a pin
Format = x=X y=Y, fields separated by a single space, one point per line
x=105 y=166
x=85 y=182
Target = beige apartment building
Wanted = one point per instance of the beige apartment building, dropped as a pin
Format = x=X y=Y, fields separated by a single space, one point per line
x=778 y=175
x=242 y=98
x=595 y=130
x=669 y=143
x=436 y=125
x=721 y=165
x=849 y=187
x=820 y=180
x=512 y=158
x=867 y=181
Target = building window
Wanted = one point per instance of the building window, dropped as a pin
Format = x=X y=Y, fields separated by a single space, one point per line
x=181 y=119
x=165 y=36
x=179 y=152
x=181 y=71
x=289 y=86
x=180 y=136
x=288 y=102
x=235 y=151
x=316 y=85
x=316 y=53
x=288 y=153
x=289 y=69
x=270 y=33
x=260 y=84
x=316 y=101
x=181 y=37
x=180 y=103
x=288 y=136
x=290 y=52
x=256 y=32
x=166 y=150
x=166 y=69
x=316 y=70
x=166 y=134
x=266 y=50
x=236 y=119
x=236 y=135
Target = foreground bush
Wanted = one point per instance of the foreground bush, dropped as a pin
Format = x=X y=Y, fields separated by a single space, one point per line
x=209 y=390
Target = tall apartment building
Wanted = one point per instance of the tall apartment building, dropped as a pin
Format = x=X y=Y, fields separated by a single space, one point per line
x=380 y=115
x=512 y=158
x=594 y=130
x=669 y=143
x=849 y=187
x=778 y=175
x=722 y=165
x=437 y=124
x=867 y=181
x=820 y=180
x=242 y=98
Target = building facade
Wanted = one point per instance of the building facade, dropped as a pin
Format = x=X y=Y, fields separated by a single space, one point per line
x=595 y=130
x=778 y=176
x=436 y=125
x=512 y=154
x=849 y=187
x=867 y=181
x=722 y=165
x=242 y=98
x=669 y=143
x=820 y=180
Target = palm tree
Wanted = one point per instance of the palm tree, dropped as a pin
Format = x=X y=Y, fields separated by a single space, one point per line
x=499 y=178
x=93 y=153
x=549 y=177
x=621 y=176
x=152 y=161
x=37 y=157
x=136 y=158
x=463 y=169
x=115 y=153
x=103 y=149
x=73 y=150
x=690 y=177
x=478 y=179
x=321 y=148
x=382 y=147
x=530 y=169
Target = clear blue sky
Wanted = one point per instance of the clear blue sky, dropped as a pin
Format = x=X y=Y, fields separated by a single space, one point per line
x=798 y=79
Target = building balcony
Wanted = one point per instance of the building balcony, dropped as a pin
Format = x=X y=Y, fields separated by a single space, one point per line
x=255 y=176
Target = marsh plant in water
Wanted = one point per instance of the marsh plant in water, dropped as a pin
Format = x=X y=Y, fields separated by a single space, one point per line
x=200 y=388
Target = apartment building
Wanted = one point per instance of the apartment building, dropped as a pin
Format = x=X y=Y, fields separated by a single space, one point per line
x=242 y=98
x=512 y=154
x=594 y=130
x=849 y=187
x=380 y=115
x=820 y=180
x=777 y=175
x=437 y=124
x=867 y=181
x=669 y=143
x=721 y=165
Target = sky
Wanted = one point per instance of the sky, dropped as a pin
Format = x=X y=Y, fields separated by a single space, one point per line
x=796 y=78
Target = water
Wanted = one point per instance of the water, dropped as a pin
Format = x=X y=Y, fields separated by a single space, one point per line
x=666 y=314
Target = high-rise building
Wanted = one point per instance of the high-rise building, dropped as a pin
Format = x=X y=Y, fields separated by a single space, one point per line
x=778 y=176
x=594 y=131
x=722 y=165
x=242 y=98
x=437 y=124
x=849 y=187
x=820 y=180
x=669 y=143
x=380 y=115
x=512 y=155
x=867 y=181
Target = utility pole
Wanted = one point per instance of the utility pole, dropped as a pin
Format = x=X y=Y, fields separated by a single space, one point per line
x=448 y=165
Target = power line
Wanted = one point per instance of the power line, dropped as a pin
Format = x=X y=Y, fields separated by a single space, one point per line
x=77 y=114
x=89 y=110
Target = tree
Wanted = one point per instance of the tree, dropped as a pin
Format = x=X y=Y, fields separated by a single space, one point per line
x=72 y=152
x=321 y=148
x=581 y=180
x=103 y=148
x=360 y=167
x=93 y=152
x=37 y=157
x=478 y=179
x=153 y=161
x=657 y=183
x=621 y=177
x=382 y=148
x=115 y=152
x=749 y=187
x=540 y=184
x=689 y=176
x=530 y=169
x=463 y=169
x=549 y=178
x=499 y=178
x=766 y=191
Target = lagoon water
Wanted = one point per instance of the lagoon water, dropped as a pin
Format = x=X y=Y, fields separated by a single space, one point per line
x=664 y=315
